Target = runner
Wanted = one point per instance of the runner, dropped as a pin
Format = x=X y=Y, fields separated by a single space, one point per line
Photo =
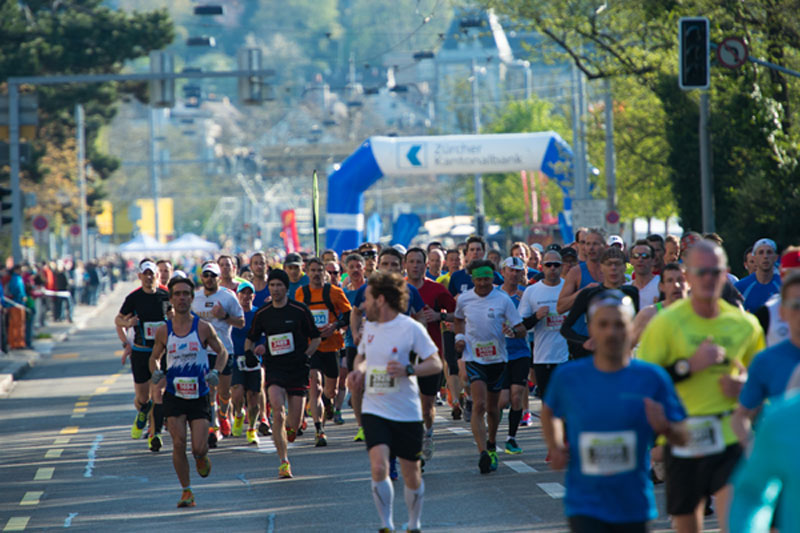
x=657 y=243
x=331 y=311
x=613 y=407
x=483 y=317
x=438 y=304
x=164 y=272
x=588 y=275
x=672 y=248
x=580 y=242
x=394 y=351
x=247 y=375
x=435 y=264
x=643 y=260
x=143 y=311
x=354 y=264
x=220 y=308
x=672 y=284
x=293 y=265
x=333 y=273
x=185 y=339
x=454 y=262
x=370 y=254
x=226 y=272
x=775 y=329
x=765 y=281
x=569 y=258
x=704 y=343
x=460 y=280
x=258 y=270
x=292 y=338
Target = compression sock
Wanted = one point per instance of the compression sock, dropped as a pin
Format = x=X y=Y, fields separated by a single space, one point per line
x=414 y=504
x=491 y=446
x=214 y=415
x=383 y=495
x=223 y=408
x=158 y=418
x=318 y=426
x=514 y=418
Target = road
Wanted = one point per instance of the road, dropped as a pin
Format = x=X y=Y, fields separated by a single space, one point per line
x=68 y=462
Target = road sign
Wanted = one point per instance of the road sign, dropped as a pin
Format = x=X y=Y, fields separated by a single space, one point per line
x=612 y=217
x=588 y=213
x=732 y=53
x=40 y=223
x=74 y=230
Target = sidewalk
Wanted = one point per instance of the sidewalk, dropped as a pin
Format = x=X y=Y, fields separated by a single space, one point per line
x=16 y=362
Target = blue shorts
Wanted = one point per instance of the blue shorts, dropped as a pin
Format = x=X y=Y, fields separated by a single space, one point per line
x=494 y=375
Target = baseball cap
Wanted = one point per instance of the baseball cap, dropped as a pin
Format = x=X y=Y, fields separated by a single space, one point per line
x=400 y=248
x=615 y=239
x=148 y=265
x=514 y=263
x=765 y=242
x=211 y=267
x=179 y=274
x=790 y=260
x=245 y=285
x=293 y=259
x=569 y=252
x=555 y=247
x=538 y=247
x=689 y=239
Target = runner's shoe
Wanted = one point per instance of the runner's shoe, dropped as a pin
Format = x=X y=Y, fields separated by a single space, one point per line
x=252 y=436
x=527 y=419
x=493 y=457
x=140 y=421
x=393 y=474
x=428 y=447
x=291 y=434
x=485 y=462
x=321 y=440
x=512 y=448
x=264 y=429
x=329 y=412
x=187 y=499
x=238 y=425
x=304 y=426
x=337 y=417
x=285 y=470
x=385 y=530
x=212 y=437
x=154 y=443
x=359 y=435
x=224 y=426
x=203 y=465
x=456 y=412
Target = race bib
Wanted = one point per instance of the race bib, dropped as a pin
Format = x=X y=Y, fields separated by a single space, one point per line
x=380 y=382
x=320 y=317
x=281 y=343
x=607 y=453
x=186 y=388
x=241 y=364
x=553 y=321
x=487 y=352
x=150 y=329
x=705 y=437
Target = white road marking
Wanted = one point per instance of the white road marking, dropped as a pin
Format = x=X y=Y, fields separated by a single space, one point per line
x=17 y=523
x=554 y=490
x=459 y=431
x=68 y=520
x=44 y=474
x=54 y=453
x=92 y=455
x=520 y=467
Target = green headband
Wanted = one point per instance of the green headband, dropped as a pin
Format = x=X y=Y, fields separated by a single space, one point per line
x=483 y=272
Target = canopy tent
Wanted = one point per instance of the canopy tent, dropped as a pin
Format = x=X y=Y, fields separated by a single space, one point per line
x=189 y=242
x=142 y=243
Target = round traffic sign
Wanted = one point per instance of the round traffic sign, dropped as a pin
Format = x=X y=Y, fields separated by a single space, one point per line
x=40 y=223
x=74 y=230
x=612 y=217
x=732 y=52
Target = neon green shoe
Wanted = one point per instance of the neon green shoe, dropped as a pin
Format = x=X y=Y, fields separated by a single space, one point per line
x=359 y=435
x=238 y=425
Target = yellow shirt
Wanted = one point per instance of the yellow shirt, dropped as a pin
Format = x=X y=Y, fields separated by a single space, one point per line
x=444 y=279
x=678 y=331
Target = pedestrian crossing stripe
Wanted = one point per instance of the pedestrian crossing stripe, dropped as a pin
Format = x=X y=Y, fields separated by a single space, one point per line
x=31 y=497
x=44 y=474
x=17 y=523
x=520 y=467
x=69 y=430
x=54 y=453
x=554 y=490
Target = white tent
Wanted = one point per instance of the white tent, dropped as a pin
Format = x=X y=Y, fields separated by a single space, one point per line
x=189 y=242
x=142 y=243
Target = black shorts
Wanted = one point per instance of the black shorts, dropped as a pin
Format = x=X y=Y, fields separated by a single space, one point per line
x=212 y=362
x=689 y=480
x=587 y=524
x=326 y=362
x=543 y=371
x=404 y=439
x=249 y=379
x=199 y=408
x=430 y=385
x=494 y=375
x=518 y=371
x=295 y=383
x=140 y=366
x=451 y=356
x=350 y=353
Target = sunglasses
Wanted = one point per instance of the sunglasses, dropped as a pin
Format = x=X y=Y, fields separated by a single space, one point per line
x=369 y=254
x=552 y=264
x=332 y=271
x=643 y=255
x=701 y=272
x=209 y=275
x=793 y=305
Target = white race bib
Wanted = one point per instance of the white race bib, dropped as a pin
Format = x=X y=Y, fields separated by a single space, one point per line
x=553 y=321
x=320 y=317
x=241 y=364
x=186 y=388
x=607 y=453
x=379 y=382
x=487 y=352
x=705 y=437
x=281 y=344
x=150 y=329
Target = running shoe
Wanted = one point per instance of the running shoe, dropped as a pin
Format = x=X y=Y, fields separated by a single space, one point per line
x=527 y=419
x=337 y=417
x=393 y=474
x=252 y=436
x=140 y=421
x=439 y=400
x=212 y=437
x=456 y=412
x=224 y=426
x=321 y=440
x=187 y=499
x=385 y=530
x=154 y=443
x=493 y=457
x=203 y=465
x=468 y=410
x=485 y=462
x=512 y=448
x=264 y=429
x=329 y=412
x=303 y=426
x=427 y=447
x=291 y=434
x=285 y=470
x=238 y=425
x=359 y=435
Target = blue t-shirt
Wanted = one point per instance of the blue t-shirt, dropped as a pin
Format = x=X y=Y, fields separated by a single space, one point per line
x=461 y=281
x=348 y=336
x=532 y=273
x=756 y=294
x=259 y=297
x=302 y=282
x=609 y=436
x=769 y=373
x=239 y=335
x=581 y=327
x=517 y=348
x=415 y=303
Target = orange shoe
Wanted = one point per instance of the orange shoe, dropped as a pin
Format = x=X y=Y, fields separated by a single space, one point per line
x=187 y=499
x=291 y=434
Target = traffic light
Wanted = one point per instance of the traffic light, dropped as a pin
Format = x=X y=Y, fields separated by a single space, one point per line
x=694 y=53
x=5 y=207
x=251 y=87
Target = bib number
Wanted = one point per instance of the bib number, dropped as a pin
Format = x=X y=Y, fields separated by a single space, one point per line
x=241 y=364
x=554 y=321
x=487 y=352
x=187 y=388
x=607 y=453
x=150 y=329
x=705 y=437
x=320 y=317
x=281 y=344
x=380 y=382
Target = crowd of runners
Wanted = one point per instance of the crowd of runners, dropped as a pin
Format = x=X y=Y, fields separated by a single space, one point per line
x=653 y=363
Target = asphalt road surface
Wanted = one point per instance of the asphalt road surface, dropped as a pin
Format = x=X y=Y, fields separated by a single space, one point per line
x=68 y=462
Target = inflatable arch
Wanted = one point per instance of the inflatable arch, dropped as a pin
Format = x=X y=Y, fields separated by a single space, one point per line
x=444 y=154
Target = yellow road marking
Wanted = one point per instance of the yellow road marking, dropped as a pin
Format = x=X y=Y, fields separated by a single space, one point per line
x=44 y=473
x=66 y=355
x=78 y=415
x=81 y=404
x=54 y=453
x=17 y=523
x=69 y=430
x=101 y=390
x=80 y=409
x=61 y=440
x=31 y=497
x=118 y=352
x=109 y=381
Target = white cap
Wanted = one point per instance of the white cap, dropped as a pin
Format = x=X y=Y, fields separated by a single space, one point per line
x=148 y=265
x=211 y=267
x=616 y=239
x=514 y=263
x=765 y=242
x=179 y=274
x=400 y=248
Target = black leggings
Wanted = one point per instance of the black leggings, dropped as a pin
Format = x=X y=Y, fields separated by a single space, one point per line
x=587 y=524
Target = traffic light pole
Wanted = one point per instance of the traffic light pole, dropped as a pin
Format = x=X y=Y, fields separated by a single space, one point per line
x=14 y=83
x=706 y=179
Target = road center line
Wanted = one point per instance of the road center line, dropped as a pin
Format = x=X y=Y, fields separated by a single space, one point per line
x=53 y=453
x=554 y=490
x=520 y=467
x=61 y=441
x=92 y=455
x=69 y=430
x=82 y=404
x=101 y=390
x=44 y=473
x=17 y=523
x=31 y=497
x=80 y=409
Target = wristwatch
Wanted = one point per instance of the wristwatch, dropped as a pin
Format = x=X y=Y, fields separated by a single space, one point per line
x=227 y=316
x=682 y=368
x=124 y=345
x=409 y=369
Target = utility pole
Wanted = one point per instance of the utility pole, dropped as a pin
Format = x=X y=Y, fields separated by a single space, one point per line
x=580 y=187
x=81 y=133
x=611 y=163
x=480 y=215
x=154 y=185
x=706 y=179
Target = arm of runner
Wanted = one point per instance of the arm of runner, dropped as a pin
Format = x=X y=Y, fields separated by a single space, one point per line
x=313 y=346
x=459 y=326
x=577 y=310
x=553 y=430
x=641 y=320
x=159 y=347
x=126 y=321
x=675 y=432
x=569 y=291
x=205 y=331
x=355 y=378
x=742 y=424
x=355 y=325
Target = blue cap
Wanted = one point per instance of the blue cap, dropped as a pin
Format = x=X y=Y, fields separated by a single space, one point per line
x=245 y=285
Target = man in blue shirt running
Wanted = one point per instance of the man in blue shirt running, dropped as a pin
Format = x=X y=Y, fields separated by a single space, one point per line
x=765 y=281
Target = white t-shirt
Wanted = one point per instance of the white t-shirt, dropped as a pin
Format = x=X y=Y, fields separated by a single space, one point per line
x=549 y=347
x=485 y=316
x=649 y=294
x=393 y=398
x=202 y=305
